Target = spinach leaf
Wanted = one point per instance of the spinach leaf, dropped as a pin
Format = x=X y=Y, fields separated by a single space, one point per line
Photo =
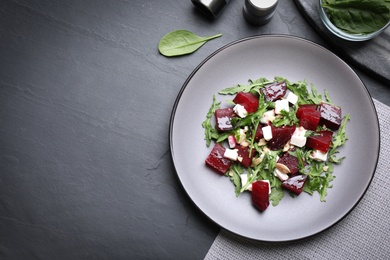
x=358 y=16
x=181 y=42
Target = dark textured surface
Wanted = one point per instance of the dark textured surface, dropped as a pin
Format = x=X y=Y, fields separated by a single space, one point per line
x=373 y=55
x=85 y=103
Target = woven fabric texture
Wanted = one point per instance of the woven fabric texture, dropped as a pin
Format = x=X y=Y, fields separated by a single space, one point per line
x=363 y=234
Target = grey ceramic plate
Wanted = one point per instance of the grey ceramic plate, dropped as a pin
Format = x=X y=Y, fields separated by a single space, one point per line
x=295 y=59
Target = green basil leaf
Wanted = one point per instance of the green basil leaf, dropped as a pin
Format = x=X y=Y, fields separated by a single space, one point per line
x=358 y=16
x=181 y=42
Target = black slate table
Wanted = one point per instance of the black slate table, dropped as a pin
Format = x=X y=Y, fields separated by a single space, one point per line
x=85 y=103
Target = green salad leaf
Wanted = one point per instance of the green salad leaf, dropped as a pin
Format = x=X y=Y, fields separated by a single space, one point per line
x=181 y=42
x=338 y=140
x=209 y=131
x=358 y=16
x=253 y=86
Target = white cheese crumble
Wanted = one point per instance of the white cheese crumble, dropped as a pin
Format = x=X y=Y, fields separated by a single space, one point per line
x=267 y=117
x=231 y=154
x=240 y=110
x=280 y=105
x=244 y=180
x=291 y=97
x=267 y=132
x=298 y=138
x=319 y=156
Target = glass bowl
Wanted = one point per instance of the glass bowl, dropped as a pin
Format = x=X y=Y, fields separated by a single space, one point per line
x=345 y=35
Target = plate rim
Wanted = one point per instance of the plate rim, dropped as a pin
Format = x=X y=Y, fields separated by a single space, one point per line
x=249 y=38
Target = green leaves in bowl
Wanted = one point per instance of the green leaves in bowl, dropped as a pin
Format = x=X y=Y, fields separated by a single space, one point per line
x=358 y=16
x=181 y=42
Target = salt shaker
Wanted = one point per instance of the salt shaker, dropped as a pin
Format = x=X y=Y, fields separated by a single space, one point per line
x=211 y=8
x=259 y=12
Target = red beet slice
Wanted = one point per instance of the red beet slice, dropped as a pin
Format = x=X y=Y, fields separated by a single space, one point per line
x=309 y=119
x=260 y=196
x=223 y=119
x=305 y=107
x=291 y=162
x=259 y=133
x=274 y=91
x=330 y=116
x=216 y=161
x=243 y=152
x=249 y=101
x=280 y=136
x=295 y=184
x=320 y=141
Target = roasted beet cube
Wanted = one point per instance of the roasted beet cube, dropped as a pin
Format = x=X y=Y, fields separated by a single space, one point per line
x=309 y=119
x=260 y=195
x=291 y=162
x=249 y=101
x=330 y=116
x=243 y=155
x=295 y=184
x=320 y=141
x=280 y=136
x=259 y=133
x=216 y=161
x=274 y=91
x=223 y=119
x=305 y=107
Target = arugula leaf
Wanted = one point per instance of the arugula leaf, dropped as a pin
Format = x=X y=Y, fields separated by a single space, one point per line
x=252 y=177
x=327 y=97
x=276 y=195
x=314 y=96
x=182 y=42
x=209 y=131
x=299 y=89
x=234 y=173
x=287 y=118
x=329 y=177
x=254 y=86
x=338 y=140
x=255 y=119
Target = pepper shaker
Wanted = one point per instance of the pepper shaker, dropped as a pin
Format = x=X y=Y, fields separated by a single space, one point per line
x=259 y=12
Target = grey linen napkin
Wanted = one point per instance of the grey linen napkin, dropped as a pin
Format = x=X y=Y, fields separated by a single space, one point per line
x=363 y=234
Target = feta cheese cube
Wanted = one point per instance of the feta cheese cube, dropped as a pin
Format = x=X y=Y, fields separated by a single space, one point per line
x=319 y=156
x=240 y=110
x=298 y=138
x=267 y=132
x=231 y=154
x=267 y=117
x=280 y=105
x=291 y=97
x=280 y=175
x=244 y=180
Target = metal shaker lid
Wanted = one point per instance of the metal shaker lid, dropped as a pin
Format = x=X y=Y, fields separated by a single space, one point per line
x=261 y=7
x=211 y=8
